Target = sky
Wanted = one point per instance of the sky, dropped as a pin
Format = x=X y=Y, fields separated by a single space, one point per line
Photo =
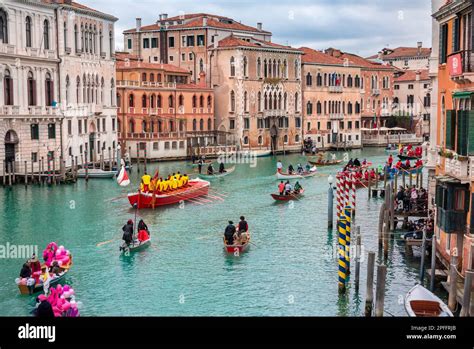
x=363 y=27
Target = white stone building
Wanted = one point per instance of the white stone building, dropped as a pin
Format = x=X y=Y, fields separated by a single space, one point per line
x=58 y=80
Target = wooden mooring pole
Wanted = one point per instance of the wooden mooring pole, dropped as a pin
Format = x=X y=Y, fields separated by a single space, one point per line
x=453 y=278
x=357 y=257
x=466 y=302
x=380 y=292
x=369 y=300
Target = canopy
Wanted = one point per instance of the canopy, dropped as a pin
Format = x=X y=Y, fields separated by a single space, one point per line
x=462 y=94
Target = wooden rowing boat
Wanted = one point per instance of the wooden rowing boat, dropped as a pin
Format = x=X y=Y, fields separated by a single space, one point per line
x=295 y=175
x=39 y=287
x=217 y=174
x=95 y=173
x=135 y=246
x=364 y=183
x=406 y=157
x=205 y=163
x=325 y=162
x=420 y=302
x=291 y=197
x=237 y=249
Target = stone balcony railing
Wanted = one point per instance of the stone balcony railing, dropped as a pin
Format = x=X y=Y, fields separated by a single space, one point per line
x=335 y=89
x=375 y=92
x=338 y=116
x=461 y=170
x=132 y=83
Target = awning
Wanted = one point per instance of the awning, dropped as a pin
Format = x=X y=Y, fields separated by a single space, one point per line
x=462 y=94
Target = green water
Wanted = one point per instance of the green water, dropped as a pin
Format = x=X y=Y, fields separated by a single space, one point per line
x=289 y=271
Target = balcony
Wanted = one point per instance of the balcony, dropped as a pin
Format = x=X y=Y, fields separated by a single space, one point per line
x=10 y=110
x=335 y=89
x=375 y=92
x=461 y=66
x=133 y=83
x=458 y=169
x=156 y=135
x=338 y=116
x=274 y=113
x=68 y=50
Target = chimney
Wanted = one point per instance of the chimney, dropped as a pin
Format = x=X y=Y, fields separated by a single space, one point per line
x=204 y=21
x=259 y=26
x=202 y=79
x=139 y=24
x=165 y=16
x=419 y=45
x=418 y=75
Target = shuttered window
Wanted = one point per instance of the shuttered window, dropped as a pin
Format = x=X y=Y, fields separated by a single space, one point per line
x=462 y=132
x=450 y=128
x=456 y=35
x=443 y=43
x=470 y=131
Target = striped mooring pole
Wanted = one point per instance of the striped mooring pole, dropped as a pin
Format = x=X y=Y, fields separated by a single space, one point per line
x=348 y=217
x=342 y=242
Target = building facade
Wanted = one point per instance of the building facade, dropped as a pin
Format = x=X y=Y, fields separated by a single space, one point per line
x=257 y=87
x=455 y=135
x=30 y=123
x=405 y=58
x=331 y=100
x=185 y=40
x=162 y=114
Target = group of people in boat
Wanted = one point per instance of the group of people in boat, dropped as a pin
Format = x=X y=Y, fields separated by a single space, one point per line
x=411 y=199
x=237 y=235
x=403 y=165
x=291 y=170
x=128 y=233
x=411 y=152
x=288 y=189
x=309 y=147
x=355 y=164
x=211 y=171
x=415 y=228
x=160 y=185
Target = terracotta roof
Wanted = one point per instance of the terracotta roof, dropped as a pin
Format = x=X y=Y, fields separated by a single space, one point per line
x=192 y=86
x=364 y=63
x=410 y=75
x=78 y=6
x=314 y=56
x=144 y=65
x=197 y=20
x=233 y=41
x=402 y=52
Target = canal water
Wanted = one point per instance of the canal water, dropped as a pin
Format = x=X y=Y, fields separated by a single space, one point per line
x=290 y=270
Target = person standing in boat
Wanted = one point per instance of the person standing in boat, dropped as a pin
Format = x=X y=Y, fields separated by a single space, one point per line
x=288 y=188
x=229 y=233
x=127 y=233
x=281 y=188
x=143 y=226
x=279 y=166
x=291 y=169
x=300 y=169
x=222 y=167
x=146 y=180
x=200 y=163
x=210 y=169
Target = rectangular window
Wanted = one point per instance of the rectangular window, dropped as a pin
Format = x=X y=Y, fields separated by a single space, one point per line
x=69 y=127
x=396 y=87
x=183 y=57
x=155 y=145
x=232 y=124
x=328 y=125
x=51 y=131
x=456 y=35
x=129 y=44
x=181 y=144
x=85 y=126
x=154 y=42
x=200 y=40
x=298 y=122
x=190 y=56
x=260 y=123
x=246 y=123
x=319 y=125
x=34 y=157
x=113 y=125
x=103 y=125
x=34 y=131
x=190 y=40
x=167 y=145
x=183 y=41
x=146 y=43
x=410 y=87
x=357 y=124
x=79 y=126
x=171 y=41
x=349 y=125
x=443 y=43
x=171 y=58
x=341 y=125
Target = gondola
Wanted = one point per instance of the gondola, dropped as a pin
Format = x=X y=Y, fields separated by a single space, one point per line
x=325 y=162
x=205 y=163
x=217 y=174
x=237 y=248
x=420 y=302
x=290 y=197
x=295 y=175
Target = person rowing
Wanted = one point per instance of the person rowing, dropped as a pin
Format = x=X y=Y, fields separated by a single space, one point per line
x=127 y=234
x=281 y=188
x=210 y=169
x=222 y=168
x=288 y=188
x=200 y=163
x=300 y=169
x=298 y=188
x=291 y=169
x=229 y=233
x=357 y=162
x=243 y=231
x=279 y=166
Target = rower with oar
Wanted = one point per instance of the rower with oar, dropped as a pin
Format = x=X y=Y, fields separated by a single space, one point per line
x=127 y=236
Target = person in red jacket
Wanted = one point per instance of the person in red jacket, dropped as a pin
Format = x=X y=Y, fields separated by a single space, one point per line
x=390 y=161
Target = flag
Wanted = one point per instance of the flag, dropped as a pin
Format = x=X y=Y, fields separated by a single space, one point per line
x=122 y=178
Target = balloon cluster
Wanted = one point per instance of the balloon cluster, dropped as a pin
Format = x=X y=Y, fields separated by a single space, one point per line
x=52 y=253
x=62 y=300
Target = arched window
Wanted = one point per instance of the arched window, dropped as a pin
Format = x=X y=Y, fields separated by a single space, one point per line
x=143 y=76
x=259 y=67
x=112 y=92
x=194 y=125
x=78 y=90
x=131 y=126
x=232 y=101
x=274 y=69
x=49 y=92
x=285 y=69
x=259 y=101
x=8 y=87
x=260 y=140
x=349 y=108
x=31 y=86
x=111 y=43
x=319 y=80
x=194 y=101
x=349 y=81
x=131 y=100
x=246 y=100
x=159 y=103
x=144 y=126
x=102 y=89
x=265 y=101
x=319 y=108
x=309 y=108
x=296 y=69
x=246 y=140
x=296 y=102
x=171 y=101
x=65 y=35
x=209 y=101
x=181 y=100
x=201 y=101
x=245 y=67
x=3 y=26
x=297 y=138
x=159 y=78
x=285 y=139
x=265 y=68
x=28 y=31
x=232 y=66
x=152 y=77
x=209 y=124
x=309 y=80
x=76 y=38
x=144 y=101
x=201 y=125
x=46 y=34
x=201 y=65
x=152 y=101
x=285 y=101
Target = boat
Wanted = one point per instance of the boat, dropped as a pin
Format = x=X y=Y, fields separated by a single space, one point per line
x=291 y=197
x=39 y=287
x=406 y=157
x=135 y=246
x=195 y=188
x=259 y=153
x=361 y=167
x=237 y=248
x=420 y=302
x=217 y=174
x=364 y=183
x=311 y=173
x=325 y=162
x=95 y=173
x=207 y=162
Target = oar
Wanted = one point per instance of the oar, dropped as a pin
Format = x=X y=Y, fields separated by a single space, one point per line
x=106 y=242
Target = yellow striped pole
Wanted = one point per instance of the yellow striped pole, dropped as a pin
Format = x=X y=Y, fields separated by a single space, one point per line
x=348 y=216
x=342 y=243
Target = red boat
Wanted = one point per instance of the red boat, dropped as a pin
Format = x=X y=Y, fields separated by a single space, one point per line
x=195 y=188
x=291 y=197
x=237 y=248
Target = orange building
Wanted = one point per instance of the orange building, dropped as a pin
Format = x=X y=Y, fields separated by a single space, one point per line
x=160 y=111
x=455 y=135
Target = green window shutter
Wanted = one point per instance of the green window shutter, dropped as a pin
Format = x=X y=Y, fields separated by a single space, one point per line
x=462 y=132
x=450 y=127
x=470 y=132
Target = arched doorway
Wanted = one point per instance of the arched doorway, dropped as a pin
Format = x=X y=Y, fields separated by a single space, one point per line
x=274 y=137
x=11 y=148
x=92 y=140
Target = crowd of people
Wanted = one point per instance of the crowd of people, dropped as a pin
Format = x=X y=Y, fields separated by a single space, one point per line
x=160 y=185
x=309 y=147
x=409 y=151
x=237 y=235
x=410 y=199
x=400 y=165
x=415 y=228
x=355 y=164
x=291 y=170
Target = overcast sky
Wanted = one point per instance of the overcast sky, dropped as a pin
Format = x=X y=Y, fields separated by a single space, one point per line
x=359 y=26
